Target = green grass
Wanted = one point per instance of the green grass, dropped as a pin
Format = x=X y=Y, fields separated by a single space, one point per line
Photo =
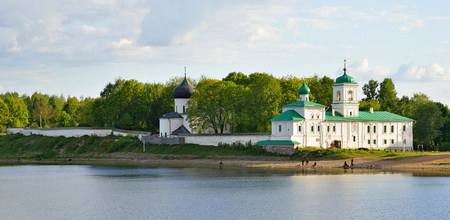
x=35 y=146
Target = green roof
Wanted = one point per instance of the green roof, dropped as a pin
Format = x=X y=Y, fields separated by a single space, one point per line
x=345 y=79
x=278 y=142
x=304 y=104
x=289 y=115
x=304 y=90
x=367 y=116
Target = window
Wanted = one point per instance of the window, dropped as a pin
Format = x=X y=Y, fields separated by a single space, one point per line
x=299 y=128
x=279 y=128
x=385 y=141
x=184 y=109
x=354 y=138
x=312 y=128
x=312 y=116
x=392 y=128
x=392 y=141
x=368 y=141
x=404 y=127
x=404 y=141
x=385 y=129
x=338 y=94
x=350 y=113
x=318 y=128
x=368 y=129
x=374 y=141
x=317 y=116
x=374 y=129
x=350 y=96
x=334 y=128
x=328 y=128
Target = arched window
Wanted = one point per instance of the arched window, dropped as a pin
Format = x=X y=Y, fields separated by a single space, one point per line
x=184 y=109
x=350 y=95
x=338 y=94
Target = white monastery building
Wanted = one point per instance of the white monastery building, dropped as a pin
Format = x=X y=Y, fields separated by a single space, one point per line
x=309 y=124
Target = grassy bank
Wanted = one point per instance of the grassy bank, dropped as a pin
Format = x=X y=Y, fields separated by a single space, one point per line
x=36 y=146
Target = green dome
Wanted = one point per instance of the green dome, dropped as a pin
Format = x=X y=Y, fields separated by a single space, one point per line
x=345 y=79
x=304 y=90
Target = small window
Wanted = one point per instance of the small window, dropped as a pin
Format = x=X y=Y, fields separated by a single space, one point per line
x=317 y=116
x=374 y=141
x=392 y=128
x=385 y=141
x=354 y=138
x=318 y=128
x=338 y=94
x=312 y=116
x=404 y=141
x=368 y=141
x=328 y=128
x=374 y=129
x=392 y=141
x=184 y=109
x=404 y=127
x=334 y=128
x=299 y=128
x=368 y=129
x=312 y=128
x=350 y=113
x=385 y=129
x=279 y=128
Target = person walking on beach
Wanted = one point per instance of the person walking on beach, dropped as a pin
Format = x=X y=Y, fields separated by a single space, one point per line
x=303 y=162
x=307 y=161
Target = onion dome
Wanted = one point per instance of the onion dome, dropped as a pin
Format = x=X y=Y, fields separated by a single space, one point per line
x=304 y=90
x=345 y=78
x=184 y=90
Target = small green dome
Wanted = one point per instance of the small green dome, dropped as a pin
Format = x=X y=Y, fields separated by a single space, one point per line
x=345 y=79
x=304 y=90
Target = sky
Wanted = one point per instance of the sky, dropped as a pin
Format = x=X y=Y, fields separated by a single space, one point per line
x=75 y=48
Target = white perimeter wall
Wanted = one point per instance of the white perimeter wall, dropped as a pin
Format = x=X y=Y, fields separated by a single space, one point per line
x=228 y=139
x=69 y=132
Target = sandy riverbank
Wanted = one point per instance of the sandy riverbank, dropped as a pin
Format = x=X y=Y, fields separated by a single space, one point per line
x=439 y=162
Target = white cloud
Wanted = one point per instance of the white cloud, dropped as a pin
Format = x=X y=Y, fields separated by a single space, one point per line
x=439 y=18
x=362 y=68
x=411 y=25
x=350 y=47
x=309 y=46
x=87 y=29
x=429 y=72
x=318 y=24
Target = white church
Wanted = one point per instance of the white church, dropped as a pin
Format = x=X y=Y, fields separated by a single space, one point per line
x=309 y=124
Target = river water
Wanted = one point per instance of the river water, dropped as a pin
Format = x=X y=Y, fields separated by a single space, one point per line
x=137 y=192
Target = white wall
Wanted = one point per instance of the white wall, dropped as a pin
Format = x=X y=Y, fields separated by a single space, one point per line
x=179 y=103
x=228 y=139
x=69 y=132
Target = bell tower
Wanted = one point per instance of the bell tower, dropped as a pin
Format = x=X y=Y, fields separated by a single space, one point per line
x=345 y=95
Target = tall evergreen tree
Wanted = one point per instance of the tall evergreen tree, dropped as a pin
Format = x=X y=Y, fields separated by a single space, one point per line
x=387 y=96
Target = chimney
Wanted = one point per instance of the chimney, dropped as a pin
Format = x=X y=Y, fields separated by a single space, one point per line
x=371 y=110
x=332 y=112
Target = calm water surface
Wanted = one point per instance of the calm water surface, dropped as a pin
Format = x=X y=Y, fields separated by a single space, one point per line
x=130 y=192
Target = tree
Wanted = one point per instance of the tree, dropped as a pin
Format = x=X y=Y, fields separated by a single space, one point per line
x=366 y=105
x=370 y=90
x=4 y=115
x=322 y=90
x=18 y=111
x=238 y=78
x=66 y=120
x=387 y=96
x=429 y=121
x=43 y=111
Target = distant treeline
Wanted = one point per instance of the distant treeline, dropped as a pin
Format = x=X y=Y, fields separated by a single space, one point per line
x=243 y=102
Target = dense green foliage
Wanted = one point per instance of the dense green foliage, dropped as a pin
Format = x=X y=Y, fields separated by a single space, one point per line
x=237 y=103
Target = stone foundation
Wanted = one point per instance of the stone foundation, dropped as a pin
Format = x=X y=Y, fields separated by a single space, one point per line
x=281 y=149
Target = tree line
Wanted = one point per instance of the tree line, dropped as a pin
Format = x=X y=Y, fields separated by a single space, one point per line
x=239 y=102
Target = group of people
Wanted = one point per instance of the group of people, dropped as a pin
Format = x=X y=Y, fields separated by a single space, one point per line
x=346 y=166
x=307 y=161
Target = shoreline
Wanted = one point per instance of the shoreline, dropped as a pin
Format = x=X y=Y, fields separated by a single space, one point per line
x=434 y=163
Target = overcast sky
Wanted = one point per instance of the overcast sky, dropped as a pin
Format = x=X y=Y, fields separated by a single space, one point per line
x=76 y=47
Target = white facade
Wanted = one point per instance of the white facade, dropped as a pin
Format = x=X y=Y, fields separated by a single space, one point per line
x=344 y=126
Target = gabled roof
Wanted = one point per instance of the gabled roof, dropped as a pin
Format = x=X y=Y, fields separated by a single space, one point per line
x=278 y=142
x=172 y=115
x=367 y=116
x=304 y=104
x=289 y=115
x=181 y=130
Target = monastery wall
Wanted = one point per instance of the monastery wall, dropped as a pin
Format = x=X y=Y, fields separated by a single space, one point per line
x=226 y=139
x=71 y=132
